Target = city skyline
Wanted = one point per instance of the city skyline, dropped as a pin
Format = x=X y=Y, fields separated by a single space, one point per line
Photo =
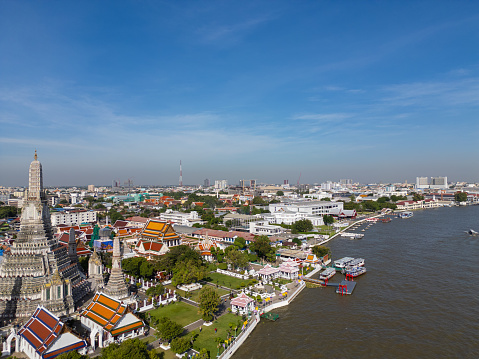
x=376 y=92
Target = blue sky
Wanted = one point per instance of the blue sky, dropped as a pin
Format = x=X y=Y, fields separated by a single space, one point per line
x=369 y=90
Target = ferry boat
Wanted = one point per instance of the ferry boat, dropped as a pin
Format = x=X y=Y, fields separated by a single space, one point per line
x=355 y=271
x=328 y=273
x=358 y=262
x=352 y=235
x=405 y=214
x=341 y=263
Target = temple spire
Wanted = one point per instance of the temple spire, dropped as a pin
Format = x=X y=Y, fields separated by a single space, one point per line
x=35 y=182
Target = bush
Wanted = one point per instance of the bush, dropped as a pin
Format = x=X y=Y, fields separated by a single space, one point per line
x=223 y=266
x=212 y=267
x=180 y=345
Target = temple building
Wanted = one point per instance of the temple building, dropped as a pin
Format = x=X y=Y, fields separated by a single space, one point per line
x=44 y=336
x=109 y=320
x=38 y=269
x=156 y=238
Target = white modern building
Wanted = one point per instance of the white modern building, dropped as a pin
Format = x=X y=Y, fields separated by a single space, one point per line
x=221 y=184
x=312 y=208
x=73 y=217
x=181 y=218
x=264 y=228
x=289 y=217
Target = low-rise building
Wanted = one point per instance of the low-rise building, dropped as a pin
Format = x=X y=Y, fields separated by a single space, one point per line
x=73 y=217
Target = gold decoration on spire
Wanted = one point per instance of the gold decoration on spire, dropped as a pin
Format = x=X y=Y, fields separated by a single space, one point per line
x=35 y=154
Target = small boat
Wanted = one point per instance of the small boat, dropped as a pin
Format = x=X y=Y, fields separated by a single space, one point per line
x=405 y=214
x=328 y=273
x=472 y=232
x=355 y=271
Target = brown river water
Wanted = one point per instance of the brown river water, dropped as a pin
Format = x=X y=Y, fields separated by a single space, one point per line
x=418 y=299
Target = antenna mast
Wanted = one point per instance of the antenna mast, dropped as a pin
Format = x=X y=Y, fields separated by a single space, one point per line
x=181 y=176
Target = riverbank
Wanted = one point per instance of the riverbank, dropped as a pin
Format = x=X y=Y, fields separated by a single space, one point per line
x=401 y=308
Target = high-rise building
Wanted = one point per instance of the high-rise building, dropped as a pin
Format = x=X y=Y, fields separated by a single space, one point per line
x=422 y=182
x=206 y=183
x=438 y=182
x=252 y=184
x=221 y=184
x=38 y=270
x=91 y=188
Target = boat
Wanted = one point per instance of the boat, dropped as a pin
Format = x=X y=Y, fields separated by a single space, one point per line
x=328 y=273
x=472 y=232
x=355 y=271
x=405 y=214
x=352 y=235
x=341 y=263
x=357 y=262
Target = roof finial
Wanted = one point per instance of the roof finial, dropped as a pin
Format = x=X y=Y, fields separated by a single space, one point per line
x=35 y=154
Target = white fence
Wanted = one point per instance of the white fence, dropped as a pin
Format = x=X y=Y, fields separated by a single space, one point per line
x=232 y=274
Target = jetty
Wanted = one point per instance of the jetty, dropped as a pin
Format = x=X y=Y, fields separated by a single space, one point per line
x=270 y=316
x=346 y=287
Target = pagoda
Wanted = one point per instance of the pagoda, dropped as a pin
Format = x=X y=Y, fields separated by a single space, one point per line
x=116 y=286
x=38 y=270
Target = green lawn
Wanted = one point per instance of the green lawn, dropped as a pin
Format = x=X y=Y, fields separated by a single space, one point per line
x=206 y=339
x=195 y=295
x=179 y=312
x=226 y=280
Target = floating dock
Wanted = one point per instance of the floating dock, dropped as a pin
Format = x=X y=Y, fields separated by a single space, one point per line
x=346 y=287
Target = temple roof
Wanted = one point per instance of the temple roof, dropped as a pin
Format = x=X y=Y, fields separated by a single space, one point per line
x=43 y=333
x=156 y=229
x=241 y=301
x=111 y=314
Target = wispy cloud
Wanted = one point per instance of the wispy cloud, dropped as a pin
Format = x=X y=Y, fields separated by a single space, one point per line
x=230 y=33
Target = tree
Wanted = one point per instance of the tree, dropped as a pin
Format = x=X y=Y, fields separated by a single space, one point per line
x=203 y=354
x=158 y=289
x=8 y=211
x=168 y=329
x=209 y=301
x=297 y=241
x=240 y=242
x=280 y=193
x=417 y=196
x=178 y=254
x=188 y=271
x=321 y=251
x=236 y=258
x=460 y=196
x=303 y=225
x=327 y=219
x=180 y=345
x=131 y=348
x=262 y=247
x=258 y=200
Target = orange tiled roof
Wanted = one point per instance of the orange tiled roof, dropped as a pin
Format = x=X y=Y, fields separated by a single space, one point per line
x=105 y=311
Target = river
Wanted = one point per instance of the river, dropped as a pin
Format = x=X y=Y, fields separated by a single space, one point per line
x=418 y=299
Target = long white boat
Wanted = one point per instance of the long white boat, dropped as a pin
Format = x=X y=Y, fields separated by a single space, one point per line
x=355 y=271
x=341 y=263
x=328 y=273
x=352 y=235
x=357 y=262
